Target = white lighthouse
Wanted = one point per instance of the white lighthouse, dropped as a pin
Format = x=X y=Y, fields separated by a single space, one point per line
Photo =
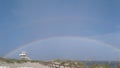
x=23 y=56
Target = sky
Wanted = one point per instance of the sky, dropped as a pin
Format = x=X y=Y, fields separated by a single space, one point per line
x=23 y=21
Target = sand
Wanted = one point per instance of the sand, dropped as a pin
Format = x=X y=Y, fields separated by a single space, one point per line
x=22 y=65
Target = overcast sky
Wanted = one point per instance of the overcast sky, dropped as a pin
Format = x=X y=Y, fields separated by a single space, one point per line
x=22 y=21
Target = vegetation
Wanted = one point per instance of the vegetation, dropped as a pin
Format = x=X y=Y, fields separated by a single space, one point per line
x=67 y=63
x=58 y=63
x=118 y=66
x=19 y=61
x=100 y=66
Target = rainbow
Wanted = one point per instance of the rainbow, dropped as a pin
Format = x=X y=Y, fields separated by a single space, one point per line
x=44 y=39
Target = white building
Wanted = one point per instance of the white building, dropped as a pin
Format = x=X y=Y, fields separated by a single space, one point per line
x=23 y=56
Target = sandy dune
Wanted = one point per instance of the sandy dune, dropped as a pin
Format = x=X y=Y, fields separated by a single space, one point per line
x=22 y=65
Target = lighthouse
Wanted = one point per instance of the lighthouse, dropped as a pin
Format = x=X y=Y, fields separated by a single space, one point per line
x=23 y=56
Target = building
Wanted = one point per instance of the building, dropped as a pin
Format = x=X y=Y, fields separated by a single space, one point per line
x=23 y=56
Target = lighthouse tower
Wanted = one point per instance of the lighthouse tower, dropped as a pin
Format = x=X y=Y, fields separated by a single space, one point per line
x=23 y=56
